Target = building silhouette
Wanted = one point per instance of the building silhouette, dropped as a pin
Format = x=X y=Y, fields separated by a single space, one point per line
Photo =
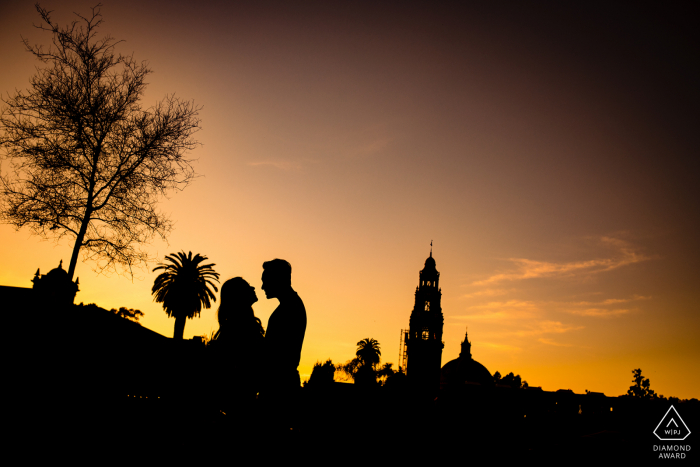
x=464 y=370
x=424 y=341
x=51 y=290
x=55 y=288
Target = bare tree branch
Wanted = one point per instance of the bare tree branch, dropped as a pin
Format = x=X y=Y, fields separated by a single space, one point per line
x=86 y=159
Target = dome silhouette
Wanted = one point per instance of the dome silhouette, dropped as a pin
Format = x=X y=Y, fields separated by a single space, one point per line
x=464 y=370
x=55 y=287
x=460 y=371
x=58 y=273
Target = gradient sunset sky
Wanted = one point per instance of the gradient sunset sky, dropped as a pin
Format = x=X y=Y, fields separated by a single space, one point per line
x=550 y=152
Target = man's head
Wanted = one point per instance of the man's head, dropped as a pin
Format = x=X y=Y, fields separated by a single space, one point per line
x=276 y=277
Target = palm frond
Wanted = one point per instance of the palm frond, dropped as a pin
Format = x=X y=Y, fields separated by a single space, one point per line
x=368 y=351
x=185 y=286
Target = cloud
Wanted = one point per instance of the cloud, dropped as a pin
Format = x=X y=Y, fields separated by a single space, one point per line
x=282 y=165
x=610 y=301
x=599 y=312
x=495 y=316
x=597 y=309
x=509 y=304
x=375 y=146
x=487 y=293
x=503 y=347
x=511 y=310
x=497 y=311
x=531 y=269
x=548 y=341
x=547 y=327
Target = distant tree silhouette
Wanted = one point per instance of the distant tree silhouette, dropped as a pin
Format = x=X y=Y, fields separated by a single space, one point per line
x=640 y=389
x=322 y=373
x=365 y=375
x=363 y=368
x=385 y=372
x=87 y=161
x=510 y=379
x=128 y=313
x=397 y=379
x=349 y=368
x=123 y=312
x=184 y=287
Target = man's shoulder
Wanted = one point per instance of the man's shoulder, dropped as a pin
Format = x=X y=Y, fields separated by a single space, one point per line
x=295 y=309
x=292 y=306
x=298 y=302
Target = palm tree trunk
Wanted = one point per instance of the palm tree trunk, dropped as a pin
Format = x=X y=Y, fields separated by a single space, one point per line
x=179 y=327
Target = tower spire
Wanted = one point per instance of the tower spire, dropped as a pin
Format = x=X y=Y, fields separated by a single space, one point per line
x=466 y=346
x=431 y=248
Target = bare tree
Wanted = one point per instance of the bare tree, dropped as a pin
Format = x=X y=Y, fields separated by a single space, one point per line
x=87 y=161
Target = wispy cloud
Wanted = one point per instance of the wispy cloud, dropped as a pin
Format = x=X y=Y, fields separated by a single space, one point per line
x=520 y=304
x=279 y=164
x=546 y=327
x=548 y=341
x=370 y=141
x=511 y=310
x=283 y=164
x=609 y=301
x=506 y=310
x=503 y=347
x=599 y=309
x=487 y=293
x=531 y=269
x=599 y=312
x=490 y=316
x=375 y=146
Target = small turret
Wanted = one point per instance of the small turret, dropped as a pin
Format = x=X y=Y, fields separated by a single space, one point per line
x=466 y=347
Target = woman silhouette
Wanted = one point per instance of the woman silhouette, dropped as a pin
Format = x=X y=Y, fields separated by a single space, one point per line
x=238 y=347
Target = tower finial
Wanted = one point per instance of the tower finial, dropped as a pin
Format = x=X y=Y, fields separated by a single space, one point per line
x=431 y=248
x=466 y=346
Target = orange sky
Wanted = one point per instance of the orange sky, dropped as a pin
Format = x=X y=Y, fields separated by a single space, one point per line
x=550 y=154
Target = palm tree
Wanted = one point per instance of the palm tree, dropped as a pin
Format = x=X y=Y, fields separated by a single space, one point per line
x=368 y=352
x=183 y=287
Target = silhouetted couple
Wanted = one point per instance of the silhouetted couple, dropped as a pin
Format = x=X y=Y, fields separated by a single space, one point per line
x=257 y=361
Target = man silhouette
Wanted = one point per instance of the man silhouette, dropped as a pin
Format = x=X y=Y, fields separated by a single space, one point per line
x=283 y=340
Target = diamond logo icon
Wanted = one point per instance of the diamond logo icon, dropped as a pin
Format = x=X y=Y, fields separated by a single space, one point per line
x=671 y=427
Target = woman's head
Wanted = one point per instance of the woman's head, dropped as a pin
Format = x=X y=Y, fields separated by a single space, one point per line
x=237 y=292
x=235 y=304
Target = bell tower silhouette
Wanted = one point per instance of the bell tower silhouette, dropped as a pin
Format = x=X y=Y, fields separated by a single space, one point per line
x=424 y=344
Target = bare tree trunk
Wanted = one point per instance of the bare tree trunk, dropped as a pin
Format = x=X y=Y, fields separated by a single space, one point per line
x=179 y=328
x=78 y=244
x=84 y=224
